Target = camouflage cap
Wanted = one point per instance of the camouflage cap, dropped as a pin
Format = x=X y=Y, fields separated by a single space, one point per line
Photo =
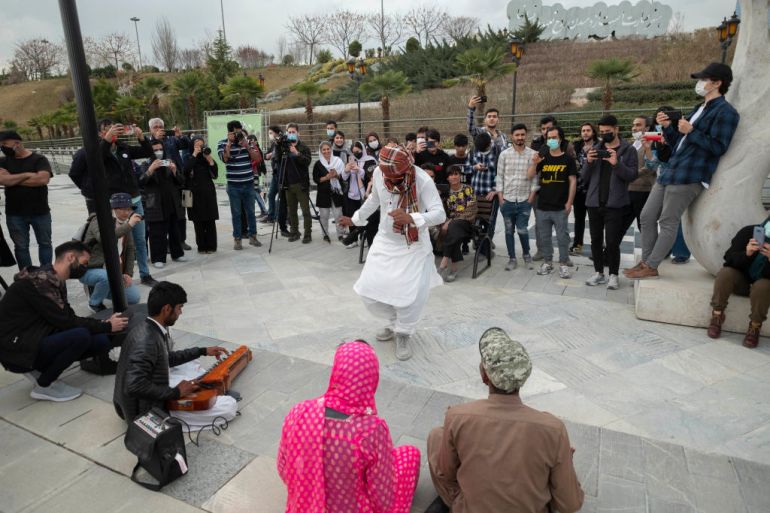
x=505 y=361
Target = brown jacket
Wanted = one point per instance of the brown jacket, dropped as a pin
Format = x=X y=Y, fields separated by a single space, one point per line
x=497 y=455
x=646 y=178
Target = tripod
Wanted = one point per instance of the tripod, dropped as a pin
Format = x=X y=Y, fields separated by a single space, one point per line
x=281 y=178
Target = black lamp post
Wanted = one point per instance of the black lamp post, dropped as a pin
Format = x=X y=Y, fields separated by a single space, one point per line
x=358 y=76
x=517 y=52
x=726 y=32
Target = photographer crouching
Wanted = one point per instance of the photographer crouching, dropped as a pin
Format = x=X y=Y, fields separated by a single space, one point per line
x=294 y=161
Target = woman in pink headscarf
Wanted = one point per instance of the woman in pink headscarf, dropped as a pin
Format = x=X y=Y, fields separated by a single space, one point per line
x=336 y=454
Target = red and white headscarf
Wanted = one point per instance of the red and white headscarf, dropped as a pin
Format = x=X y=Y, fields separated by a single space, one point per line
x=400 y=177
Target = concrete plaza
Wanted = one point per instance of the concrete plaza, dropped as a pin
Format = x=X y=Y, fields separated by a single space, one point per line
x=663 y=418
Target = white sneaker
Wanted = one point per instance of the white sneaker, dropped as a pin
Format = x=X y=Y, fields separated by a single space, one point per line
x=545 y=268
x=182 y=259
x=511 y=265
x=613 y=283
x=158 y=265
x=597 y=279
x=56 y=391
x=352 y=245
x=385 y=335
x=403 y=349
x=564 y=272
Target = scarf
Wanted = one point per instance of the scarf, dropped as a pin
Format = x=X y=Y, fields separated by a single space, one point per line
x=400 y=178
x=352 y=385
x=335 y=163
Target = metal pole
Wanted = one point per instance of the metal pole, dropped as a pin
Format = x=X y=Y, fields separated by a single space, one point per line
x=138 y=47
x=725 y=45
x=360 y=131
x=87 y=121
x=513 y=101
x=222 y=9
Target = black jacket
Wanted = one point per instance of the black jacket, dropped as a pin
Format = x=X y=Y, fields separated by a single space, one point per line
x=27 y=316
x=199 y=178
x=118 y=167
x=736 y=258
x=141 y=380
x=624 y=172
x=299 y=164
x=161 y=193
x=324 y=196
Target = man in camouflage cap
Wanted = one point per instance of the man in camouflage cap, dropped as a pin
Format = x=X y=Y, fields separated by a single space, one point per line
x=514 y=458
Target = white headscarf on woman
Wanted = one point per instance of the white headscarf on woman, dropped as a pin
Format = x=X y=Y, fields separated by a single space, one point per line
x=334 y=163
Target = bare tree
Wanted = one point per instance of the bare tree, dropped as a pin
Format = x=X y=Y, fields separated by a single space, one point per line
x=164 y=44
x=299 y=51
x=676 y=25
x=190 y=58
x=427 y=23
x=281 y=45
x=250 y=57
x=458 y=27
x=308 y=29
x=114 y=48
x=37 y=57
x=343 y=27
x=388 y=29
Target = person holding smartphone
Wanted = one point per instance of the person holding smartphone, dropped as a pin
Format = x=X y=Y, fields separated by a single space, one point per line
x=746 y=272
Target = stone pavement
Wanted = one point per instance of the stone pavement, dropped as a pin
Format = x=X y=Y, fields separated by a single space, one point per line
x=663 y=418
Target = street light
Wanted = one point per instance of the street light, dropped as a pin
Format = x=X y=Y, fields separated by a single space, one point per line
x=261 y=79
x=726 y=32
x=517 y=52
x=360 y=64
x=138 y=48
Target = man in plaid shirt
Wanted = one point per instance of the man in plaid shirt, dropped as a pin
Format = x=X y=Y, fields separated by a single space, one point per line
x=698 y=142
x=484 y=166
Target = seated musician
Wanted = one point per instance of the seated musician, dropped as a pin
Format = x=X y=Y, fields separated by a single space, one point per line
x=142 y=381
x=461 y=210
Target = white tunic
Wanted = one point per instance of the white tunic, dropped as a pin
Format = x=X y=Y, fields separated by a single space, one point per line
x=393 y=272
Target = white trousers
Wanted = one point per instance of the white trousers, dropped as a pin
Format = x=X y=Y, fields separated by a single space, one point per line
x=225 y=406
x=336 y=212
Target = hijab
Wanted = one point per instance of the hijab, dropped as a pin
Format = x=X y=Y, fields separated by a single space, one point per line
x=335 y=163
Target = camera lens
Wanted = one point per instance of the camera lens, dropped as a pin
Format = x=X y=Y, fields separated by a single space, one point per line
x=207 y=151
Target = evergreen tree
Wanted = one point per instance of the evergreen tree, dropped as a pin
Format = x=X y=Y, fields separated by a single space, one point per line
x=219 y=60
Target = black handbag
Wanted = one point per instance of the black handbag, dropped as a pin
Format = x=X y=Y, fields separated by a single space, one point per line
x=157 y=440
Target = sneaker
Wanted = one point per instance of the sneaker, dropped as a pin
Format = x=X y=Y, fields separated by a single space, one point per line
x=564 y=272
x=340 y=238
x=149 y=281
x=307 y=239
x=186 y=246
x=576 y=250
x=327 y=239
x=266 y=220
x=680 y=260
x=403 y=349
x=97 y=308
x=528 y=262
x=293 y=237
x=450 y=277
x=352 y=245
x=538 y=256
x=596 y=279
x=253 y=241
x=56 y=391
x=181 y=259
x=158 y=265
x=385 y=335
x=237 y=244
x=511 y=265
x=545 y=268
x=285 y=233
x=613 y=283
x=32 y=376
x=642 y=273
x=569 y=263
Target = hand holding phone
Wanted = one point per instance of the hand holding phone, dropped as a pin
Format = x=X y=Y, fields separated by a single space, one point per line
x=759 y=235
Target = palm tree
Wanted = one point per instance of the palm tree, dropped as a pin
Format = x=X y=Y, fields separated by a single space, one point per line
x=244 y=89
x=386 y=85
x=611 y=70
x=150 y=89
x=38 y=124
x=309 y=89
x=188 y=87
x=481 y=65
x=129 y=109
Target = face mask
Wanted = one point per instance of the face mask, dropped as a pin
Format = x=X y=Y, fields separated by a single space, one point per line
x=158 y=155
x=77 y=270
x=608 y=138
x=637 y=135
x=330 y=133
x=700 y=88
x=357 y=154
x=658 y=128
x=374 y=145
x=8 y=151
x=553 y=144
x=292 y=137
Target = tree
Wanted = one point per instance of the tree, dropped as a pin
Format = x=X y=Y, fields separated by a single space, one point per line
x=114 y=48
x=388 y=29
x=611 y=70
x=412 y=45
x=105 y=95
x=481 y=65
x=386 y=85
x=218 y=60
x=324 y=56
x=149 y=91
x=288 y=60
x=458 y=27
x=354 y=49
x=130 y=110
x=309 y=30
x=282 y=46
x=37 y=57
x=164 y=45
x=190 y=58
x=530 y=31
x=309 y=90
x=344 y=27
x=427 y=23
x=193 y=93
x=244 y=90
x=249 y=57
x=37 y=123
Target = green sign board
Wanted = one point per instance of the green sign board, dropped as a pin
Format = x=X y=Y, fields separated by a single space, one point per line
x=217 y=131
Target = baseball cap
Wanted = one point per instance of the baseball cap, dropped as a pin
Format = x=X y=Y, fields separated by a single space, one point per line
x=10 y=135
x=715 y=71
x=120 y=200
x=505 y=360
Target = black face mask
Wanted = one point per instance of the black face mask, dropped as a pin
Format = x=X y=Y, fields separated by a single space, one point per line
x=77 y=270
x=8 y=151
x=608 y=138
x=357 y=154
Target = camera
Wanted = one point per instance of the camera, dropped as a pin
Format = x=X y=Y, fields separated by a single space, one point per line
x=239 y=136
x=282 y=144
x=207 y=151
x=170 y=133
x=601 y=153
x=673 y=115
x=483 y=99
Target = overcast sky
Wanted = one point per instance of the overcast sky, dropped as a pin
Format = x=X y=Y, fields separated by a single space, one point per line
x=256 y=22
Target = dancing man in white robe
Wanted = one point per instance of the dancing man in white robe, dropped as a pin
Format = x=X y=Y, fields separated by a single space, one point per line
x=400 y=270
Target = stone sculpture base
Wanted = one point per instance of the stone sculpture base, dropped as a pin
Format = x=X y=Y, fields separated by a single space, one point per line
x=682 y=296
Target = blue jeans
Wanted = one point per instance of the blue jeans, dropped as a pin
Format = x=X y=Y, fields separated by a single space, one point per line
x=97 y=278
x=58 y=351
x=516 y=218
x=549 y=221
x=242 y=194
x=18 y=229
x=140 y=239
x=271 y=194
x=680 y=249
x=258 y=197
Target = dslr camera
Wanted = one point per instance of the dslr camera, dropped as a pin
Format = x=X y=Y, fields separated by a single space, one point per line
x=207 y=150
x=239 y=136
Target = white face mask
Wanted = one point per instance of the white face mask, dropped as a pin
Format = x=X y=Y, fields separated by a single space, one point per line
x=637 y=135
x=374 y=145
x=700 y=88
x=158 y=155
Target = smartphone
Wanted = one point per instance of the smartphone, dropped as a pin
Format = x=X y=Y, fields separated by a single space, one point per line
x=602 y=153
x=430 y=144
x=482 y=99
x=653 y=136
x=759 y=235
x=170 y=133
x=673 y=115
x=543 y=151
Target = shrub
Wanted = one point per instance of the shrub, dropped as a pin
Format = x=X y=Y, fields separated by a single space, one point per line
x=324 y=56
